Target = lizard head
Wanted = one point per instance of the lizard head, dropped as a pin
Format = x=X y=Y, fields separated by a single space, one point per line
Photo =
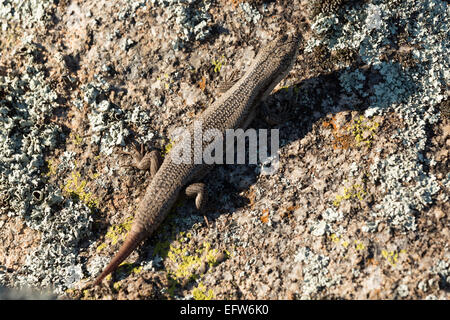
x=283 y=51
x=276 y=59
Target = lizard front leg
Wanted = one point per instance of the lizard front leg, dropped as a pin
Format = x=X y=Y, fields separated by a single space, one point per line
x=144 y=161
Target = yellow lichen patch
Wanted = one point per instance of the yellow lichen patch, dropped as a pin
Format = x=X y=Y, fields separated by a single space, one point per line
x=117 y=285
x=285 y=88
x=334 y=238
x=129 y=268
x=167 y=148
x=86 y=294
x=186 y=263
x=359 y=245
x=210 y=254
x=75 y=138
x=119 y=231
x=75 y=186
x=125 y=269
x=51 y=168
x=356 y=191
x=161 y=249
x=165 y=81
x=337 y=240
x=218 y=64
x=101 y=247
x=358 y=132
x=363 y=130
x=184 y=260
x=95 y=175
x=200 y=293
x=392 y=256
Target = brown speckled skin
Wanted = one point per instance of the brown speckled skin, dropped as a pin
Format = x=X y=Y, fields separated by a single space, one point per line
x=234 y=109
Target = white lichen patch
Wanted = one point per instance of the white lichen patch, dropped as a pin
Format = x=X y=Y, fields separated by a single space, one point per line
x=332 y=215
x=329 y=224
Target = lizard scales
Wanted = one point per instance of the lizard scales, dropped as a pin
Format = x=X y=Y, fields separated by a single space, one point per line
x=235 y=109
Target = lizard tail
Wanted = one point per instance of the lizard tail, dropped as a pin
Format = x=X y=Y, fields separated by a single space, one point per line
x=131 y=242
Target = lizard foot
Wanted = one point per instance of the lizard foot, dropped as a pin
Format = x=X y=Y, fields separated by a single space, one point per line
x=229 y=81
x=144 y=161
x=198 y=190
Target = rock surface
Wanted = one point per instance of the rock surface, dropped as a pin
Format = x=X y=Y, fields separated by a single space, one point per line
x=357 y=210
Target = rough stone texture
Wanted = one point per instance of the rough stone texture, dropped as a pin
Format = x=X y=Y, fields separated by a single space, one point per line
x=358 y=208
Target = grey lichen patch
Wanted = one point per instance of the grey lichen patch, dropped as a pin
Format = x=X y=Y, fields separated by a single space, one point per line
x=109 y=124
x=410 y=88
x=56 y=262
x=326 y=6
x=400 y=202
x=251 y=14
x=316 y=276
x=25 y=105
x=27 y=102
x=24 y=12
x=192 y=20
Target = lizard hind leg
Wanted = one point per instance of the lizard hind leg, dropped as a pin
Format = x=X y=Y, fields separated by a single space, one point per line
x=198 y=190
